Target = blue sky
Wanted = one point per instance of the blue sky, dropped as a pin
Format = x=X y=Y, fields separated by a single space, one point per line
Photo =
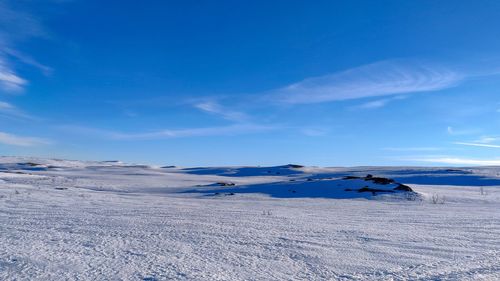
x=328 y=83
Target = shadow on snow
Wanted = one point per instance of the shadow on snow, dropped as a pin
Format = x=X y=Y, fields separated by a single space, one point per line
x=333 y=189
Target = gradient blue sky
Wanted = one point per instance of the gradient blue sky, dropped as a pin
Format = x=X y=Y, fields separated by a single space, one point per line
x=188 y=83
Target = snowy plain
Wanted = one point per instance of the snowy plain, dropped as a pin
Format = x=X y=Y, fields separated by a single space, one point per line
x=77 y=220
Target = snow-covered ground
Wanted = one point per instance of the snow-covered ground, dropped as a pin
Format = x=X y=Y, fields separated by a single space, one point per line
x=72 y=220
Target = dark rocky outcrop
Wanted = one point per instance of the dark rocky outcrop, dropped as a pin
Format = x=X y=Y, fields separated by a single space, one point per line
x=380 y=181
x=225 y=183
x=373 y=190
x=403 y=187
x=294 y=166
x=351 y=178
x=31 y=164
x=377 y=180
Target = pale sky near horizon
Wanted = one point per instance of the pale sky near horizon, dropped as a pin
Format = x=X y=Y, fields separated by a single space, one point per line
x=195 y=83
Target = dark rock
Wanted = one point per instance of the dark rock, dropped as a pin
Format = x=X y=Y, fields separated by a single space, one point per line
x=373 y=190
x=31 y=164
x=403 y=187
x=351 y=178
x=225 y=184
x=379 y=180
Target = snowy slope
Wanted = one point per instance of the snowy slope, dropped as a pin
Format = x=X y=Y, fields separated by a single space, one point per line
x=74 y=220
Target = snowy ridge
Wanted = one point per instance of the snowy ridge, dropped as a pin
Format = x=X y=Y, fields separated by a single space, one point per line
x=88 y=220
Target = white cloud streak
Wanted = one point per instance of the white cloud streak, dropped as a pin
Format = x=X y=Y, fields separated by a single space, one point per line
x=379 y=103
x=459 y=161
x=451 y=131
x=5 y=106
x=383 y=78
x=28 y=60
x=11 y=111
x=478 y=144
x=314 y=132
x=374 y=104
x=217 y=109
x=412 y=148
x=17 y=26
x=15 y=140
x=486 y=139
x=9 y=80
x=231 y=130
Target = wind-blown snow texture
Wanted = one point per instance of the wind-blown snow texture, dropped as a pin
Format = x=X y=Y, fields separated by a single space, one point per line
x=71 y=220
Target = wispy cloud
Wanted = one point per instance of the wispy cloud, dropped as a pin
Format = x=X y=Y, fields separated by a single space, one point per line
x=379 y=103
x=458 y=161
x=452 y=131
x=411 y=148
x=215 y=108
x=15 y=140
x=231 y=130
x=10 y=110
x=478 y=144
x=314 y=132
x=6 y=106
x=197 y=132
x=487 y=139
x=17 y=26
x=383 y=78
x=374 y=104
x=26 y=59
x=484 y=141
x=9 y=80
